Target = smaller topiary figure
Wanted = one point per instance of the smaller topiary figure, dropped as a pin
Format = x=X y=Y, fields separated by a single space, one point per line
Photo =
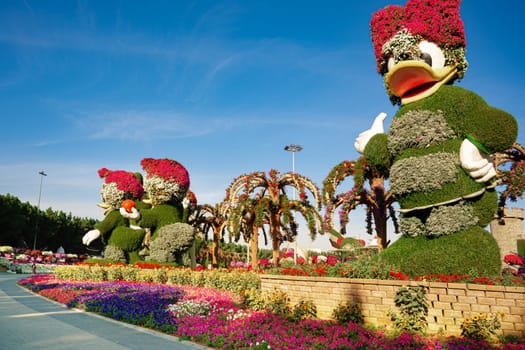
x=122 y=239
x=166 y=184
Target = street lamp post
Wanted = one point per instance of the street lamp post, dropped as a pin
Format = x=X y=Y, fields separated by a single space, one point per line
x=42 y=174
x=293 y=148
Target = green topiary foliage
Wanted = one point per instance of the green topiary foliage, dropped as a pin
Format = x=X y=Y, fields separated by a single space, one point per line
x=521 y=247
x=377 y=155
x=486 y=207
x=112 y=220
x=446 y=254
x=454 y=102
x=172 y=240
x=127 y=239
x=467 y=113
x=495 y=119
x=159 y=216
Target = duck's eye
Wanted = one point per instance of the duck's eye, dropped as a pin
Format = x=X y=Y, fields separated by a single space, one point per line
x=432 y=54
x=427 y=58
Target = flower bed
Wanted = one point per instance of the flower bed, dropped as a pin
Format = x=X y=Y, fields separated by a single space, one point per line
x=219 y=319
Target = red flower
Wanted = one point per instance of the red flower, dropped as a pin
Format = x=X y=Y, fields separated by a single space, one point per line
x=513 y=259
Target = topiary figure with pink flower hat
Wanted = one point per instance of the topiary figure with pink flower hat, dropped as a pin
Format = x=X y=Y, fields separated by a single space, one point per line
x=438 y=149
x=121 y=237
x=166 y=184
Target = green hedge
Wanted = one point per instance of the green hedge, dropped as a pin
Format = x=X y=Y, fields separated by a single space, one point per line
x=217 y=279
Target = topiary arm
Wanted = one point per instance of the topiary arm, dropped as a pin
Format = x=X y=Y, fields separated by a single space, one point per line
x=376 y=154
x=492 y=129
x=148 y=218
x=377 y=128
x=110 y=222
x=105 y=227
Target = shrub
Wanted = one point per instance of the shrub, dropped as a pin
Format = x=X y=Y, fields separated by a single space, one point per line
x=346 y=312
x=303 y=310
x=413 y=309
x=481 y=326
x=366 y=266
x=276 y=301
x=254 y=299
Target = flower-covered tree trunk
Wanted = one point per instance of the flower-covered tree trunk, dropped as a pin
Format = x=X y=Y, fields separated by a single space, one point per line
x=275 y=233
x=254 y=247
x=215 y=249
x=379 y=209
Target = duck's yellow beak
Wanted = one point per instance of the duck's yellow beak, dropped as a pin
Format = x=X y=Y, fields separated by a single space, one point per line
x=414 y=80
x=105 y=207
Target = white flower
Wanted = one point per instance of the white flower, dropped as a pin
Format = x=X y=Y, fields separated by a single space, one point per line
x=322 y=258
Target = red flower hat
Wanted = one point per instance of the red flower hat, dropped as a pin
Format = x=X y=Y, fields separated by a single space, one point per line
x=125 y=181
x=168 y=169
x=437 y=21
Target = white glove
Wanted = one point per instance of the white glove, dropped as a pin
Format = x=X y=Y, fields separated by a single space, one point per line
x=476 y=163
x=365 y=136
x=134 y=215
x=186 y=203
x=90 y=236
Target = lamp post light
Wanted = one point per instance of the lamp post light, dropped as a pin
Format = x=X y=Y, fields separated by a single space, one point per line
x=42 y=174
x=293 y=148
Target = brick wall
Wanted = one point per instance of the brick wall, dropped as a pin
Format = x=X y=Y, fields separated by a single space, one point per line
x=449 y=303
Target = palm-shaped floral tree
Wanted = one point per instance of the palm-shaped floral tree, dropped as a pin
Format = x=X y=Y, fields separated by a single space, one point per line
x=241 y=222
x=210 y=218
x=256 y=200
x=368 y=190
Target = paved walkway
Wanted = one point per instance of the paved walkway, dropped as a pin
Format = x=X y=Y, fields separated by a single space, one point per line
x=29 y=321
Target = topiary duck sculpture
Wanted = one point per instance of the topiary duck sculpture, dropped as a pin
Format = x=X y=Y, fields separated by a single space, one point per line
x=438 y=149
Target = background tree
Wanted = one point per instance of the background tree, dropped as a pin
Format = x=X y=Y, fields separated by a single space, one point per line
x=510 y=172
x=368 y=190
x=211 y=218
x=240 y=210
x=266 y=198
x=19 y=222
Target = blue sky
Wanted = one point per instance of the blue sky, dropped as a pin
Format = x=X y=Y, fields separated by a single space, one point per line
x=220 y=86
